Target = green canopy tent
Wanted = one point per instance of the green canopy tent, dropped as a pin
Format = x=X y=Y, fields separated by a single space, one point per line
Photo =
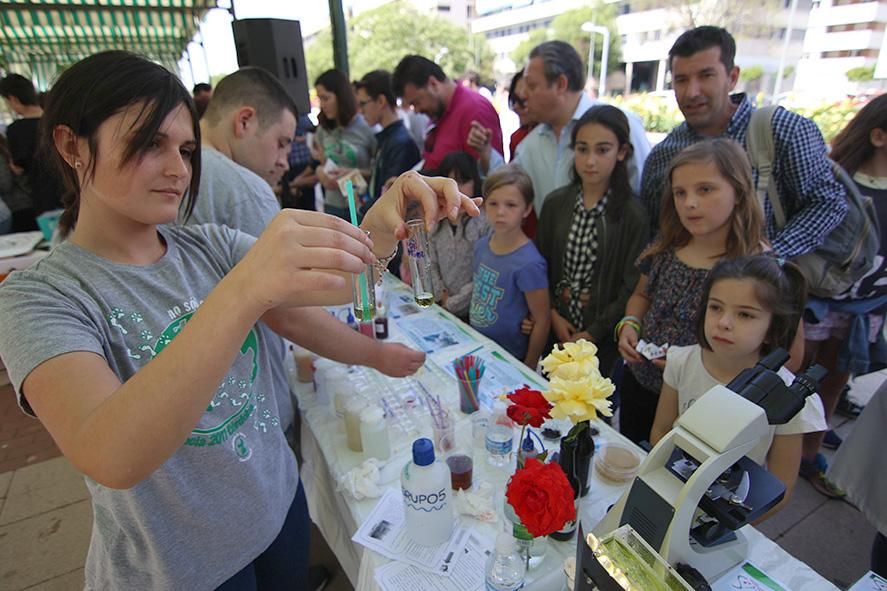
x=42 y=37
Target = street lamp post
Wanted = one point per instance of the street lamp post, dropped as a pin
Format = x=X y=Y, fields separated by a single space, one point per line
x=781 y=71
x=590 y=27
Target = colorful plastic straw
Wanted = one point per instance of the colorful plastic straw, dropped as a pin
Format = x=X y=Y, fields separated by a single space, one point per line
x=469 y=370
x=367 y=313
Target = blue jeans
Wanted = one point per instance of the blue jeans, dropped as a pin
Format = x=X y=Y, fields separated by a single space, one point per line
x=284 y=564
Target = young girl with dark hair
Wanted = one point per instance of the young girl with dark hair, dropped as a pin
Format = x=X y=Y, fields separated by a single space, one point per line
x=590 y=233
x=452 y=244
x=750 y=306
x=136 y=343
x=345 y=140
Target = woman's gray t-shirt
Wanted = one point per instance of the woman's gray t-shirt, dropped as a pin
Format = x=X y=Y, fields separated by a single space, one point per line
x=351 y=146
x=222 y=498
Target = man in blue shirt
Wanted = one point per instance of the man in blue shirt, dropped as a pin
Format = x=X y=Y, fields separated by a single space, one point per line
x=703 y=74
x=556 y=99
x=396 y=152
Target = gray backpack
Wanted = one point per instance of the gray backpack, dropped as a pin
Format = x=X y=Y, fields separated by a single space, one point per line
x=849 y=250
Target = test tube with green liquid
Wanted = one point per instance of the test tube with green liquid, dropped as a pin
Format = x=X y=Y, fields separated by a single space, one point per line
x=418 y=251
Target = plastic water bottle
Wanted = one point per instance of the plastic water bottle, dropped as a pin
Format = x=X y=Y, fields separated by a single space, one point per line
x=426 y=496
x=480 y=421
x=500 y=437
x=506 y=567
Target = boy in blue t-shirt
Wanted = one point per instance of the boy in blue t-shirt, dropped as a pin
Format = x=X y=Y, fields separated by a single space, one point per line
x=510 y=276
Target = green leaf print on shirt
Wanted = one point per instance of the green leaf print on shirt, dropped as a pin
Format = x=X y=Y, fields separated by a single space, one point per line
x=235 y=400
x=343 y=153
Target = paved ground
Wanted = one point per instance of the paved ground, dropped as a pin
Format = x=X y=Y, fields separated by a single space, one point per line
x=46 y=519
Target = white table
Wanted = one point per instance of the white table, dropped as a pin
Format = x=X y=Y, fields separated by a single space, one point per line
x=326 y=458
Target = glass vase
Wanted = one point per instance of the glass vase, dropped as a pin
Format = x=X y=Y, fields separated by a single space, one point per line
x=532 y=548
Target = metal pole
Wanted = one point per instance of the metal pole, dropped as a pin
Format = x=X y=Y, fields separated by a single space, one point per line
x=602 y=83
x=590 y=55
x=340 y=36
x=190 y=65
x=788 y=35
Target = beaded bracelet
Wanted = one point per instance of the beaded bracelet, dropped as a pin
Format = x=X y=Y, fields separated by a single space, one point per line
x=382 y=264
x=632 y=321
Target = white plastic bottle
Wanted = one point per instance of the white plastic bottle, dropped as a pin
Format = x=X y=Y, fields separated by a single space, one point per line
x=374 y=434
x=426 y=496
x=500 y=437
x=353 y=407
x=506 y=567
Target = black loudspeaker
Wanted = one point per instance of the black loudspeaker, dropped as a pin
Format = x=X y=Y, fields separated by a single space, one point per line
x=275 y=45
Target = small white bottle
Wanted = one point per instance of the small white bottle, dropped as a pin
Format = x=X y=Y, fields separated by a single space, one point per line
x=426 y=496
x=500 y=436
x=374 y=434
x=353 y=407
x=506 y=567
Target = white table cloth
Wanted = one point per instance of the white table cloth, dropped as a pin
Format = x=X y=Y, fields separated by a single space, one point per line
x=326 y=458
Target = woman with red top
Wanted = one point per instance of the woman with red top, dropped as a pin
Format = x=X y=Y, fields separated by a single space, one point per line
x=517 y=102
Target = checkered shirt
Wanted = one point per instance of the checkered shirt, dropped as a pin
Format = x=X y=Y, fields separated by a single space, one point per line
x=581 y=254
x=814 y=202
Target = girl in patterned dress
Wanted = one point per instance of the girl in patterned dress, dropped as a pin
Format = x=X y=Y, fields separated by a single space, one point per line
x=709 y=212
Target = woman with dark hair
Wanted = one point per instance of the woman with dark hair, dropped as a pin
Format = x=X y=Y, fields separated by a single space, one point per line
x=517 y=102
x=136 y=343
x=847 y=327
x=590 y=233
x=346 y=142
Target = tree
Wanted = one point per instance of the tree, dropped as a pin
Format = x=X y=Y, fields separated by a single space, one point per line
x=751 y=73
x=380 y=38
x=736 y=17
x=523 y=49
x=568 y=27
x=861 y=74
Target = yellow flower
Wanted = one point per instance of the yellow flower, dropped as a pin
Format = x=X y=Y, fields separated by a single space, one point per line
x=580 y=399
x=573 y=361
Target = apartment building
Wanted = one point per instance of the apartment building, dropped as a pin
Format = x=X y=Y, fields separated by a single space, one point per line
x=646 y=36
x=843 y=35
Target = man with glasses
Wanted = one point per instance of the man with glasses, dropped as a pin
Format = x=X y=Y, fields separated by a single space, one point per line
x=396 y=152
x=454 y=109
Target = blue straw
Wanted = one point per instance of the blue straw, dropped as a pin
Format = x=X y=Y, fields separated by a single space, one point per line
x=366 y=312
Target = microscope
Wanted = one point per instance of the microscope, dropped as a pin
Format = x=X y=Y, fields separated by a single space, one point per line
x=696 y=488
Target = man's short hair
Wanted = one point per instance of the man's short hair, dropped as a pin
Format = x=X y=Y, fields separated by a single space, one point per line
x=415 y=70
x=559 y=58
x=253 y=87
x=20 y=87
x=378 y=83
x=201 y=87
x=702 y=38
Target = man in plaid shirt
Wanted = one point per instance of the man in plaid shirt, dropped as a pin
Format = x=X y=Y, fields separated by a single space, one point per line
x=703 y=74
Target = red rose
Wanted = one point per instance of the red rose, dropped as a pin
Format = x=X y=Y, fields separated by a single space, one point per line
x=541 y=497
x=528 y=407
